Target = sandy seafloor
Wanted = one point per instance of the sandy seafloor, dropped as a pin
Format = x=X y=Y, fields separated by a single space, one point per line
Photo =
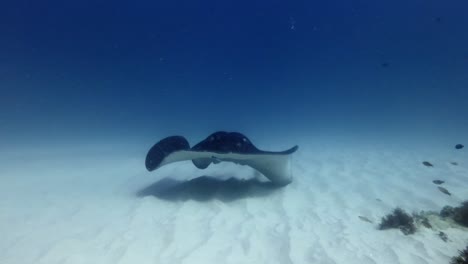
x=98 y=204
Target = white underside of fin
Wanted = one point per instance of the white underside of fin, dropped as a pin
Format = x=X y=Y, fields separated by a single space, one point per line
x=275 y=167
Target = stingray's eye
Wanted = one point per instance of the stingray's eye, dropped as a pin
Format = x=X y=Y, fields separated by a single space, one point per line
x=244 y=139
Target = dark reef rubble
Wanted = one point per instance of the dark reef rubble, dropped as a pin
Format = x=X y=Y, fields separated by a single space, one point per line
x=398 y=219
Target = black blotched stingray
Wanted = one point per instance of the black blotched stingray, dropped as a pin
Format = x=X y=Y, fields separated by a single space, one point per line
x=222 y=146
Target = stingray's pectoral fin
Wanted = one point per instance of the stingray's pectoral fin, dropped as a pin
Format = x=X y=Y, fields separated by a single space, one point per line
x=174 y=149
x=276 y=166
x=166 y=151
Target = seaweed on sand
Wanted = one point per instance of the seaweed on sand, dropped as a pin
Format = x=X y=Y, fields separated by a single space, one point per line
x=458 y=214
x=462 y=258
x=461 y=214
x=398 y=219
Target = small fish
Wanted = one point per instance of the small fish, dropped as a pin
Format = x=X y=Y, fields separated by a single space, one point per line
x=442 y=189
x=459 y=146
x=427 y=163
x=437 y=182
x=365 y=219
x=454 y=163
x=378 y=200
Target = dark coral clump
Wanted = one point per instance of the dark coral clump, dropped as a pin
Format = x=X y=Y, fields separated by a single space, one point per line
x=458 y=214
x=398 y=219
x=447 y=211
x=462 y=258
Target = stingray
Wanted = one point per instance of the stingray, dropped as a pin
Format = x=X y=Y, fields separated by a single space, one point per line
x=222 y=146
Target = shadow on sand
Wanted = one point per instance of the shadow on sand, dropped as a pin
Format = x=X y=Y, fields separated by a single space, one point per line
x=206 y=188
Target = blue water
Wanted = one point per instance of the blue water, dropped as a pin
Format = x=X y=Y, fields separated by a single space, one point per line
x=120 y=70
x=368 y=90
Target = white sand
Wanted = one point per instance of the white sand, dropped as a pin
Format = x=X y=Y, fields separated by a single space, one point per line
x=99 y=205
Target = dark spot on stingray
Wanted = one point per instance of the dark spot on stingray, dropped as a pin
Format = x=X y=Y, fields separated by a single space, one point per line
x=454 y=163
x=443 y=236
x=365 y=219
x=442 y=189
x=438 y=182
x=459 y=146
x=427 y=164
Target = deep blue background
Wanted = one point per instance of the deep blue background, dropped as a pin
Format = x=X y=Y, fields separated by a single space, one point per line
x=94 y=69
